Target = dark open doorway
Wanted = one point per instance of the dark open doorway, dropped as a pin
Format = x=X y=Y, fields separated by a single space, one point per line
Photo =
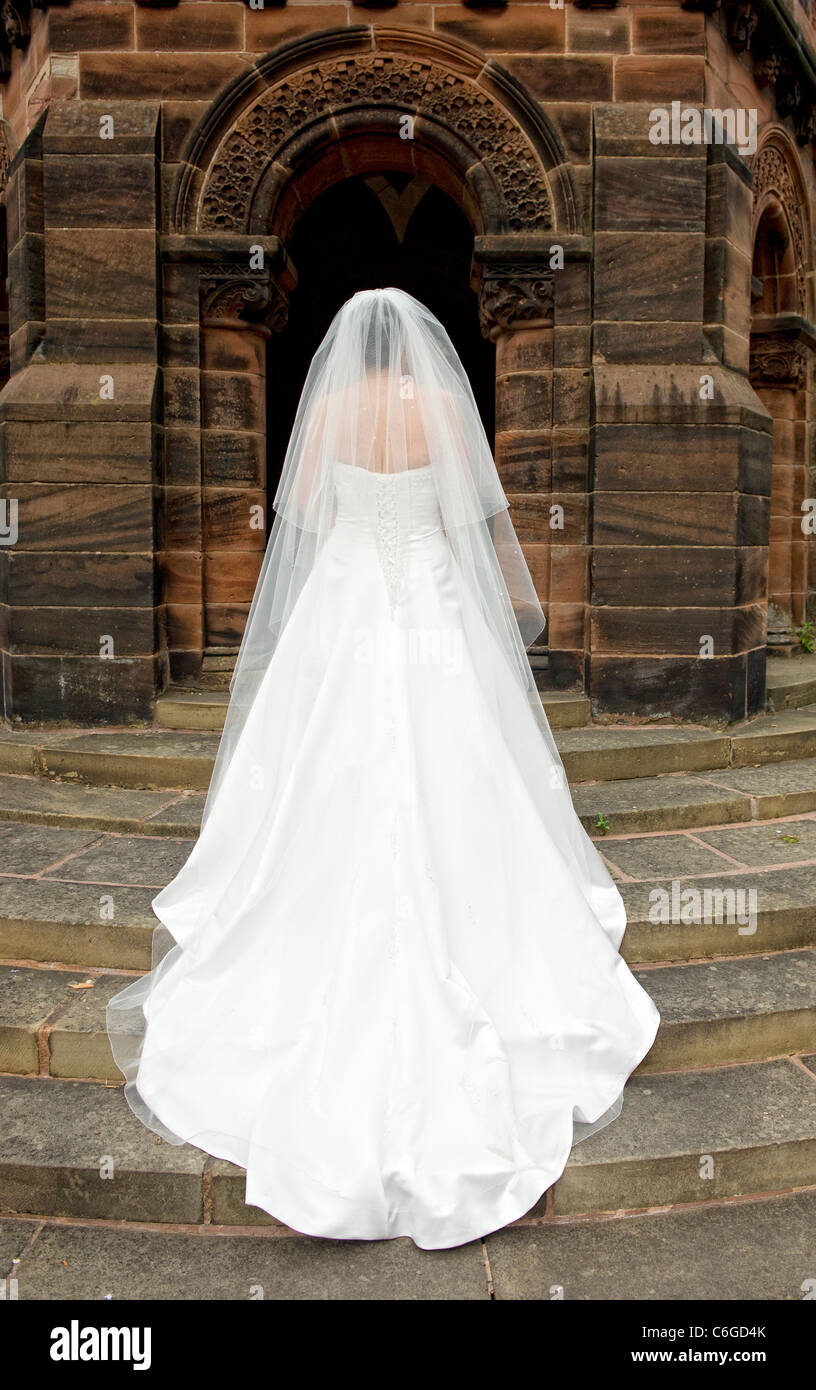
x=365 y=233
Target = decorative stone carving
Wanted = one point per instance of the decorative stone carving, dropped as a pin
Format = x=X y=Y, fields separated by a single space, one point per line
x=14 y=20
x=772 y=175
x=234 y=292
x=742 y=22
x=513 y=294
x=5 y=155
x=779 y=60
x=392 y=83
x=15 y=30
x=767 y=66
x=777 y=359
x=788 y=92
x=805 y=124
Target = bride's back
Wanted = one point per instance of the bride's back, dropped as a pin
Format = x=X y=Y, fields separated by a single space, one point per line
x=383 y=427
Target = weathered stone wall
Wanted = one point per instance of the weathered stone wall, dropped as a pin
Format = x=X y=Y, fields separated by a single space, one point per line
x=624 y=380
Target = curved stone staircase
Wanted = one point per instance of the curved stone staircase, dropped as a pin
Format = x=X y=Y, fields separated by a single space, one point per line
x=713 y=1156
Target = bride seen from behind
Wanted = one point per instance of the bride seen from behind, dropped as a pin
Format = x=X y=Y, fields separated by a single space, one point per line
x=387 y=981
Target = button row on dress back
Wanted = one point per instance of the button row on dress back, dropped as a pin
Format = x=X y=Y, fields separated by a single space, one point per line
x=388 y=536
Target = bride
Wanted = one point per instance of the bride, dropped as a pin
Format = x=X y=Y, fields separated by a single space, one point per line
x=387 y=982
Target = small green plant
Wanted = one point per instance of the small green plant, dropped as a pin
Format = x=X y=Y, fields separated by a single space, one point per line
x=602 y=824
x=790 y=839
x=807 y=635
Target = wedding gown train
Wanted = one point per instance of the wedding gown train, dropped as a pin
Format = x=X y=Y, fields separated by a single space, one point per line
x=393 y=992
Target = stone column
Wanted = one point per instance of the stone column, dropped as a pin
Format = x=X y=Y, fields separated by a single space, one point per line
x=79 y=435
x=781 y=347
x=530 y=311
x=215 y=501
x=233 y=447
x=681 y=456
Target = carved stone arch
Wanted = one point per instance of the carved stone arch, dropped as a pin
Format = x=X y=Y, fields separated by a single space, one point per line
x=307 y=116
x=466 y=113
x=779 y=188
x=781 y=356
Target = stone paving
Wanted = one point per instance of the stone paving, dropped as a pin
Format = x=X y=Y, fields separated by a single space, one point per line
x=731 y=1075
x=743 y=1250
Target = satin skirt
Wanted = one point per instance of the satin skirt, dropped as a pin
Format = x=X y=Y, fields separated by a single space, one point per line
x=387 y=982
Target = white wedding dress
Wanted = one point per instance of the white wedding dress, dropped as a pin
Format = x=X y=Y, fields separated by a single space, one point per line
x=394 y=994
x=413 y=994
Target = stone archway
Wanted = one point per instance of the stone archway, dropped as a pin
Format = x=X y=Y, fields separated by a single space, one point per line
x=351 y=102
x=782 y=344
x=374 y=229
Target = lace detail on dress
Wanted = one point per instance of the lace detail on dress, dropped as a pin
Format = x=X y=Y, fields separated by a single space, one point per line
x=388 y=538
x=395 y=507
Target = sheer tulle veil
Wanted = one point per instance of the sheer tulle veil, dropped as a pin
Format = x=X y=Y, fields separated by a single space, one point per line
x=386 y=391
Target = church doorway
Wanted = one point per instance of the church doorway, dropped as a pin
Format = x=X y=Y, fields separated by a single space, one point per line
x=367 y=232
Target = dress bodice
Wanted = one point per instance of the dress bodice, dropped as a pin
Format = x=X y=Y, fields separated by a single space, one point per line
x=387 y=501
x=395 y=510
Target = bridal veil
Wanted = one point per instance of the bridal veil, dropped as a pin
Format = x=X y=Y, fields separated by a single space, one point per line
x=386 y=392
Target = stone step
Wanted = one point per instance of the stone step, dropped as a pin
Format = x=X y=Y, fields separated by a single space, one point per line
x=73 y=1149
x=52 y=1022
x=791 y=681
x=76 y=923
x=199 y=710
x=36 y=801
x=605 y=753
x=205 y=707
x=113 y=757
x=79 y=897
x=698 y=1135
x=744 y=1250
x=749 y=1250
x=732 y=915
x=681 y=802
x=183 y=758
x=724 y=1011
x=111 y=926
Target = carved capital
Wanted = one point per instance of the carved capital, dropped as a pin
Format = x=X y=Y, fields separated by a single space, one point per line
x=230 y=292
x=778 y=359
x=514 y=294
